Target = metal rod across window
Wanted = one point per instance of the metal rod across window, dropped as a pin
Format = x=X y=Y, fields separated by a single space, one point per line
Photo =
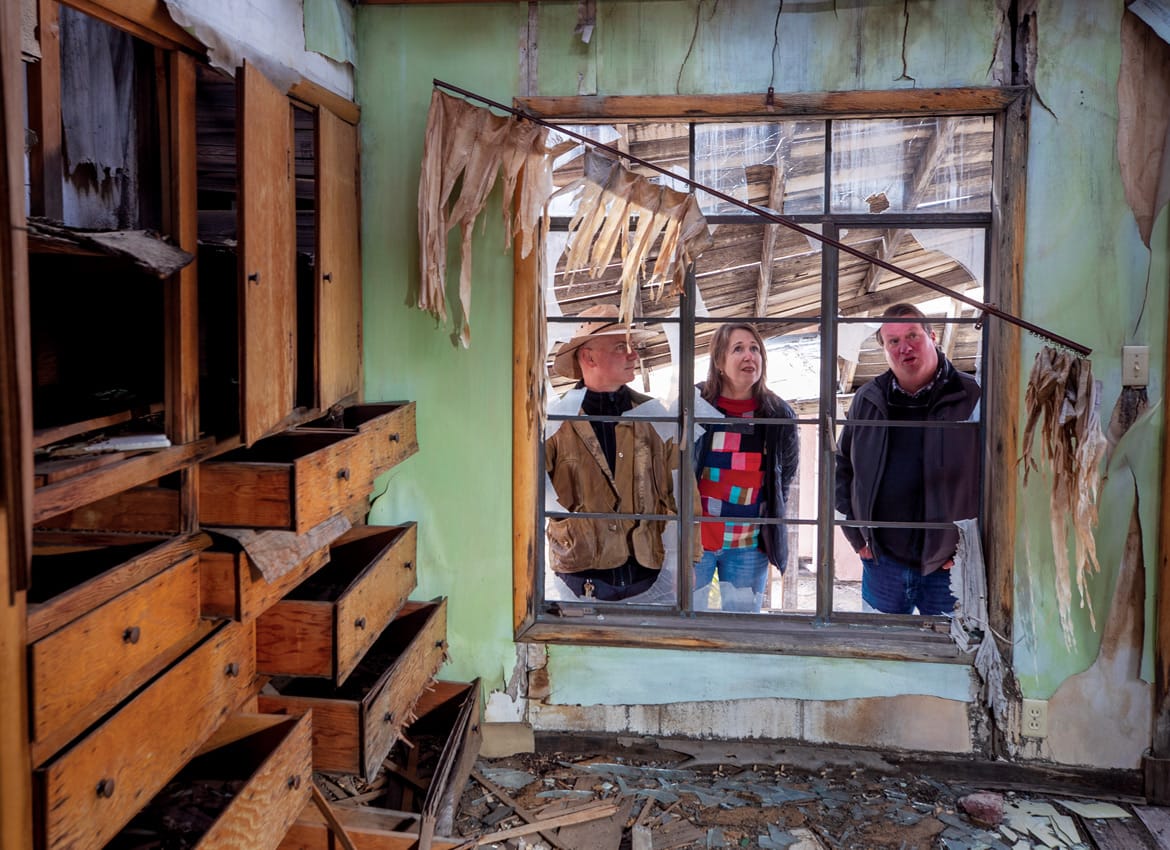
x=769 y=215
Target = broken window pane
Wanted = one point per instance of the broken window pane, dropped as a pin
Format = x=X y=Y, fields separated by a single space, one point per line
x=783 y=282
x=780 y=166
x=936 y=164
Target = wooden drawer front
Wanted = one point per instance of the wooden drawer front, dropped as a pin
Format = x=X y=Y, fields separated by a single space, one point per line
x=387 y=430
x=89 y=793
x=385 y=583
x=459 y=716
x=82 y=670
x=291 y=481
x=232 y=587
x=76 y=572
x=273 y=763
x=329 y=621
x=260 y=815
x=356 y=724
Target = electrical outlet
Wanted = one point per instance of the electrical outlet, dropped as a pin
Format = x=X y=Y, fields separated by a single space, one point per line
x=1135 y=365
x=1034 y=719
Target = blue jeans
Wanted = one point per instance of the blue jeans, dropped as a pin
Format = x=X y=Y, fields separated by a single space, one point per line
x=892 y=587
x=743 y=576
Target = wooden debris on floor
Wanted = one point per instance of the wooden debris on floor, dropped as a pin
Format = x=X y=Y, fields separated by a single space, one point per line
x=522 y=801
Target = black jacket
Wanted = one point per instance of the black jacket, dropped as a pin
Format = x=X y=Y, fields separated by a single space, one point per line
x=781 y=457
x=950 y=462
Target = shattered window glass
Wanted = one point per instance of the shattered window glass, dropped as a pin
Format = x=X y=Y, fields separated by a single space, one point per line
x=779 y=165
x=927 y=164
x=762 y=304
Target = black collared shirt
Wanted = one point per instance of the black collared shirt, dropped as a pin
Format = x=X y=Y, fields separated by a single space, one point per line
x=607 y=404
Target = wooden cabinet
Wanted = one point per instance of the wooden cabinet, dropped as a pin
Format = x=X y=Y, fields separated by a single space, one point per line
x=137 y=619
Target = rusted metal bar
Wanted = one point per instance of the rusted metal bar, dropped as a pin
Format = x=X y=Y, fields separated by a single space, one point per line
x=983 y=307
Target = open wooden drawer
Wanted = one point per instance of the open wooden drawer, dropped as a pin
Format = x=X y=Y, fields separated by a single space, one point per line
x=245 y=793
x=387 y=431
x=233 y=587
x=356 y=724
x=106 y=613
x=326 y=623
x=86 y=794
x=449 y=718
x=292 y=481
x=444 y=743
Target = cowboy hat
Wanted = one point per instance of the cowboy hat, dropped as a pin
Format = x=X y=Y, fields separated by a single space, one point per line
x=602 y=322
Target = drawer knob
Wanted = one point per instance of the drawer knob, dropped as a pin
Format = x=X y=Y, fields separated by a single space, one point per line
x=440 y=644
x=131 y=635
x=294 y=782
x=359 y=623
x=327 y=277
x=232 y=670
x=394 y=437
x=388 y=717
x=409 y=565
x=343 y=474
x=254 y=277
x=105 y=788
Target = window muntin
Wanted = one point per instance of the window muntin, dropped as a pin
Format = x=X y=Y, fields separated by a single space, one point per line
x=835 y=269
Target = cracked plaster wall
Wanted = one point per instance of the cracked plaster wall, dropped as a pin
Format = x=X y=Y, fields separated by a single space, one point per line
x=1081 y=248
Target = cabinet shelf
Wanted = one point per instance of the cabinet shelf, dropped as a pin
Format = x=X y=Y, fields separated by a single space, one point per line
x=71 y=493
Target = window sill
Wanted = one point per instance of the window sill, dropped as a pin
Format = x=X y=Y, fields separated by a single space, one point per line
x=850 y=636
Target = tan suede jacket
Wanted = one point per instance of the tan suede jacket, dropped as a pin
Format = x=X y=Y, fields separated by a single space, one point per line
x=642 y=483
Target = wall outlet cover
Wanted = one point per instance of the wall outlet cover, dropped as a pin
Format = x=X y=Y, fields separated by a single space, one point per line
x=1034 y=718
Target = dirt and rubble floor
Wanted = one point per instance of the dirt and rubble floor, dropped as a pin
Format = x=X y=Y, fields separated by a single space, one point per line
x=658 y=795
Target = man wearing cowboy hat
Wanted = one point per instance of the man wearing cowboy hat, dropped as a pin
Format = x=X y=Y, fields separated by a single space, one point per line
x=607 y=467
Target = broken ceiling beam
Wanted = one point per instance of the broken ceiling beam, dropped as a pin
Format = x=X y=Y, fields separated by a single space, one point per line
x=145 y=250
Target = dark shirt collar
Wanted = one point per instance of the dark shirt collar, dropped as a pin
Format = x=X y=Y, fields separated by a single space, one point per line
x=607 y=404
x=924 y=391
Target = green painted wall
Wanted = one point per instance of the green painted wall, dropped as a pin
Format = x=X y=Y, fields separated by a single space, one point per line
x=458 y=487
x=1085 y=276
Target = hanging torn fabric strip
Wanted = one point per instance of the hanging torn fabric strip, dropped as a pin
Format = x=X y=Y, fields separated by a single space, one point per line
x=1062 y=401
x=970 y=628
x=468 y=146
x=609 y=196
x=473 y=147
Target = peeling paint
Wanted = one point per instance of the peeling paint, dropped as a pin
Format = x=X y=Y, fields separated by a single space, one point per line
x=1083 y=248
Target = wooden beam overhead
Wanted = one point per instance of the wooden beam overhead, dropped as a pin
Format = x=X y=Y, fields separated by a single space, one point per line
x=146 y=19
x=857 y=104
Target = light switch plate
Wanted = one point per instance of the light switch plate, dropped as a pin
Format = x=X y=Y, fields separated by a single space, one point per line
x=1135 y=365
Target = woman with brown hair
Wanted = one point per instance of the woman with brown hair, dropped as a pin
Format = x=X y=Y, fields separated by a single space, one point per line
x=743 y=470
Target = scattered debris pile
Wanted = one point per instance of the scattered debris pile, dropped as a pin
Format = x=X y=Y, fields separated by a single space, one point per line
x=575 y=802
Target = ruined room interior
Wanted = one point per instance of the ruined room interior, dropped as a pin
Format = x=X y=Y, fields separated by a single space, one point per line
x=275 y=507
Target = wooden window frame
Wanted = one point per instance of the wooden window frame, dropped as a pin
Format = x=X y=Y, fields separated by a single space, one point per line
x=842 y=635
